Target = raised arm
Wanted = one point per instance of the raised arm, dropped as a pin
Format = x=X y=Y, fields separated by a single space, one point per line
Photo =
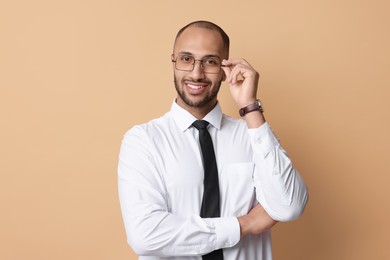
x=279 y=187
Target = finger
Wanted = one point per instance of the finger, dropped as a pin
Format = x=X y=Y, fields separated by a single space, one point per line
x=239 y=73
x=234 y=62
x=227 y=70
x=239 y=69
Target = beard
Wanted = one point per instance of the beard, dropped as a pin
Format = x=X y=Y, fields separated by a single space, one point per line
x=205 y=101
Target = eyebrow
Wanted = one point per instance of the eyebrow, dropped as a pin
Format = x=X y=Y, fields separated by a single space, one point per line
x=206 y=56
x=185 y=52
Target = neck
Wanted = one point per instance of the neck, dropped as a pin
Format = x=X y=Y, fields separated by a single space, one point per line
x=198 y=112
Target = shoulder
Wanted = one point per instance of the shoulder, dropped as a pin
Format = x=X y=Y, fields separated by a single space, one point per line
x=150 y=129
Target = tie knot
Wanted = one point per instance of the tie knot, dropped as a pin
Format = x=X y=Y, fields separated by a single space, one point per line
x=200 y=124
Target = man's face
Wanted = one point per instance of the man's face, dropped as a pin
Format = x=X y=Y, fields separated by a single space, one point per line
x=195 y=88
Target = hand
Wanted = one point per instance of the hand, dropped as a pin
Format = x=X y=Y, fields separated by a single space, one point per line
x=255 y=222
x=242 y=79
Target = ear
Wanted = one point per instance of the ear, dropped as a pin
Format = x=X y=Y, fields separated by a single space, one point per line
x=173 y=61
x=223 y=76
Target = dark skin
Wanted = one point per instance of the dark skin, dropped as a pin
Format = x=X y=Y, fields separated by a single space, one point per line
x=196 y=94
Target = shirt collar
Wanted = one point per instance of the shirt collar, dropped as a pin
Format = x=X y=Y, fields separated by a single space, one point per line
x=184 y=119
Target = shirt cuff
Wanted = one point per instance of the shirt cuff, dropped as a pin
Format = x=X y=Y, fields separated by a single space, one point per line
x=227 y=230
x=262 y=139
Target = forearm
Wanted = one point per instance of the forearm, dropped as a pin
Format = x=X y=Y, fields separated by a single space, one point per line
x=150 y=226
x=254 y=119
x=151 y=231
x=255 y=222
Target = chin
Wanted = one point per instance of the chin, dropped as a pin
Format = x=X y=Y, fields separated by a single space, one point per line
x=206 y=101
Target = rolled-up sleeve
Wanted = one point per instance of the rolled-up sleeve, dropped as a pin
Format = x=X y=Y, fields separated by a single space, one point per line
x=279 y=187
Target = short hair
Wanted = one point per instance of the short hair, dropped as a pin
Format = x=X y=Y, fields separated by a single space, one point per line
x=210 y=26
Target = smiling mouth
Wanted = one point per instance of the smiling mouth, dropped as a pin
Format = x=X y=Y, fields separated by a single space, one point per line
x=195 y=86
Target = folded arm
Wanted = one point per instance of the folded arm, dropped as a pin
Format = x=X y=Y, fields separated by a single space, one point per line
x=151 y=229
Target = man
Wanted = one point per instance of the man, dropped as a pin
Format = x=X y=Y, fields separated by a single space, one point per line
x=168 y=180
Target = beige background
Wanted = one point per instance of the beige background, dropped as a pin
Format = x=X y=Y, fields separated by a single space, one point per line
x=75 y=75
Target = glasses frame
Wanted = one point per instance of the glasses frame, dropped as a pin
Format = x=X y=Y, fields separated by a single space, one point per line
x=174 y=60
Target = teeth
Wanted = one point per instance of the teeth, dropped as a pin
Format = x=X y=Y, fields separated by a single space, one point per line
x=194 y=87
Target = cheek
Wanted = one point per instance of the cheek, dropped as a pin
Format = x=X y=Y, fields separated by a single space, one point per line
x=179 y=75
x=217 y=78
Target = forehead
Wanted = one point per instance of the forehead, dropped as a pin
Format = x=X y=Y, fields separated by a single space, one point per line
x=199 y=42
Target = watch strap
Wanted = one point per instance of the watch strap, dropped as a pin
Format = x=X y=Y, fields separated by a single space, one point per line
x=250 y=108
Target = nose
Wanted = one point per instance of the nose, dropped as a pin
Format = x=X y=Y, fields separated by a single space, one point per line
x=197 y=72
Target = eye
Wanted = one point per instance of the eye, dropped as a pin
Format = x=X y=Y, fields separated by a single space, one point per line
x=211 y=62
x=186 y=59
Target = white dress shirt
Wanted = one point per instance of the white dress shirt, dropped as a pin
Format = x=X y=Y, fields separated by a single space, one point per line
x=161 y=187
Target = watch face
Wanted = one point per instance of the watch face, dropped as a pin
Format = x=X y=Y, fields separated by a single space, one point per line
x=241 y=112
x=260 y=106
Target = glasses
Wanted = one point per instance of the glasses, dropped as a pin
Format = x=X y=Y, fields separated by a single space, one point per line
x=210 y=65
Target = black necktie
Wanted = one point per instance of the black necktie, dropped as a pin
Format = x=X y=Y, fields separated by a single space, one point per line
x=210 y=204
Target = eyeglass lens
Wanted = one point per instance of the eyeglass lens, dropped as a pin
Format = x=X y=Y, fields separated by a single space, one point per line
x=187 y=63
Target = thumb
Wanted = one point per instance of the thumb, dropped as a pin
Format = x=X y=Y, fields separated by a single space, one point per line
x=226 y=70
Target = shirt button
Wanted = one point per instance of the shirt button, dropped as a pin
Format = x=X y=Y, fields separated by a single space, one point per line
x=259 y=140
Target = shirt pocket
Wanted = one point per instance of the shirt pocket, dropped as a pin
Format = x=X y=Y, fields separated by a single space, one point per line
x=239 y=189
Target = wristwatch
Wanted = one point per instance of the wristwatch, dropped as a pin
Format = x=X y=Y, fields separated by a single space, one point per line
x=251 y=107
